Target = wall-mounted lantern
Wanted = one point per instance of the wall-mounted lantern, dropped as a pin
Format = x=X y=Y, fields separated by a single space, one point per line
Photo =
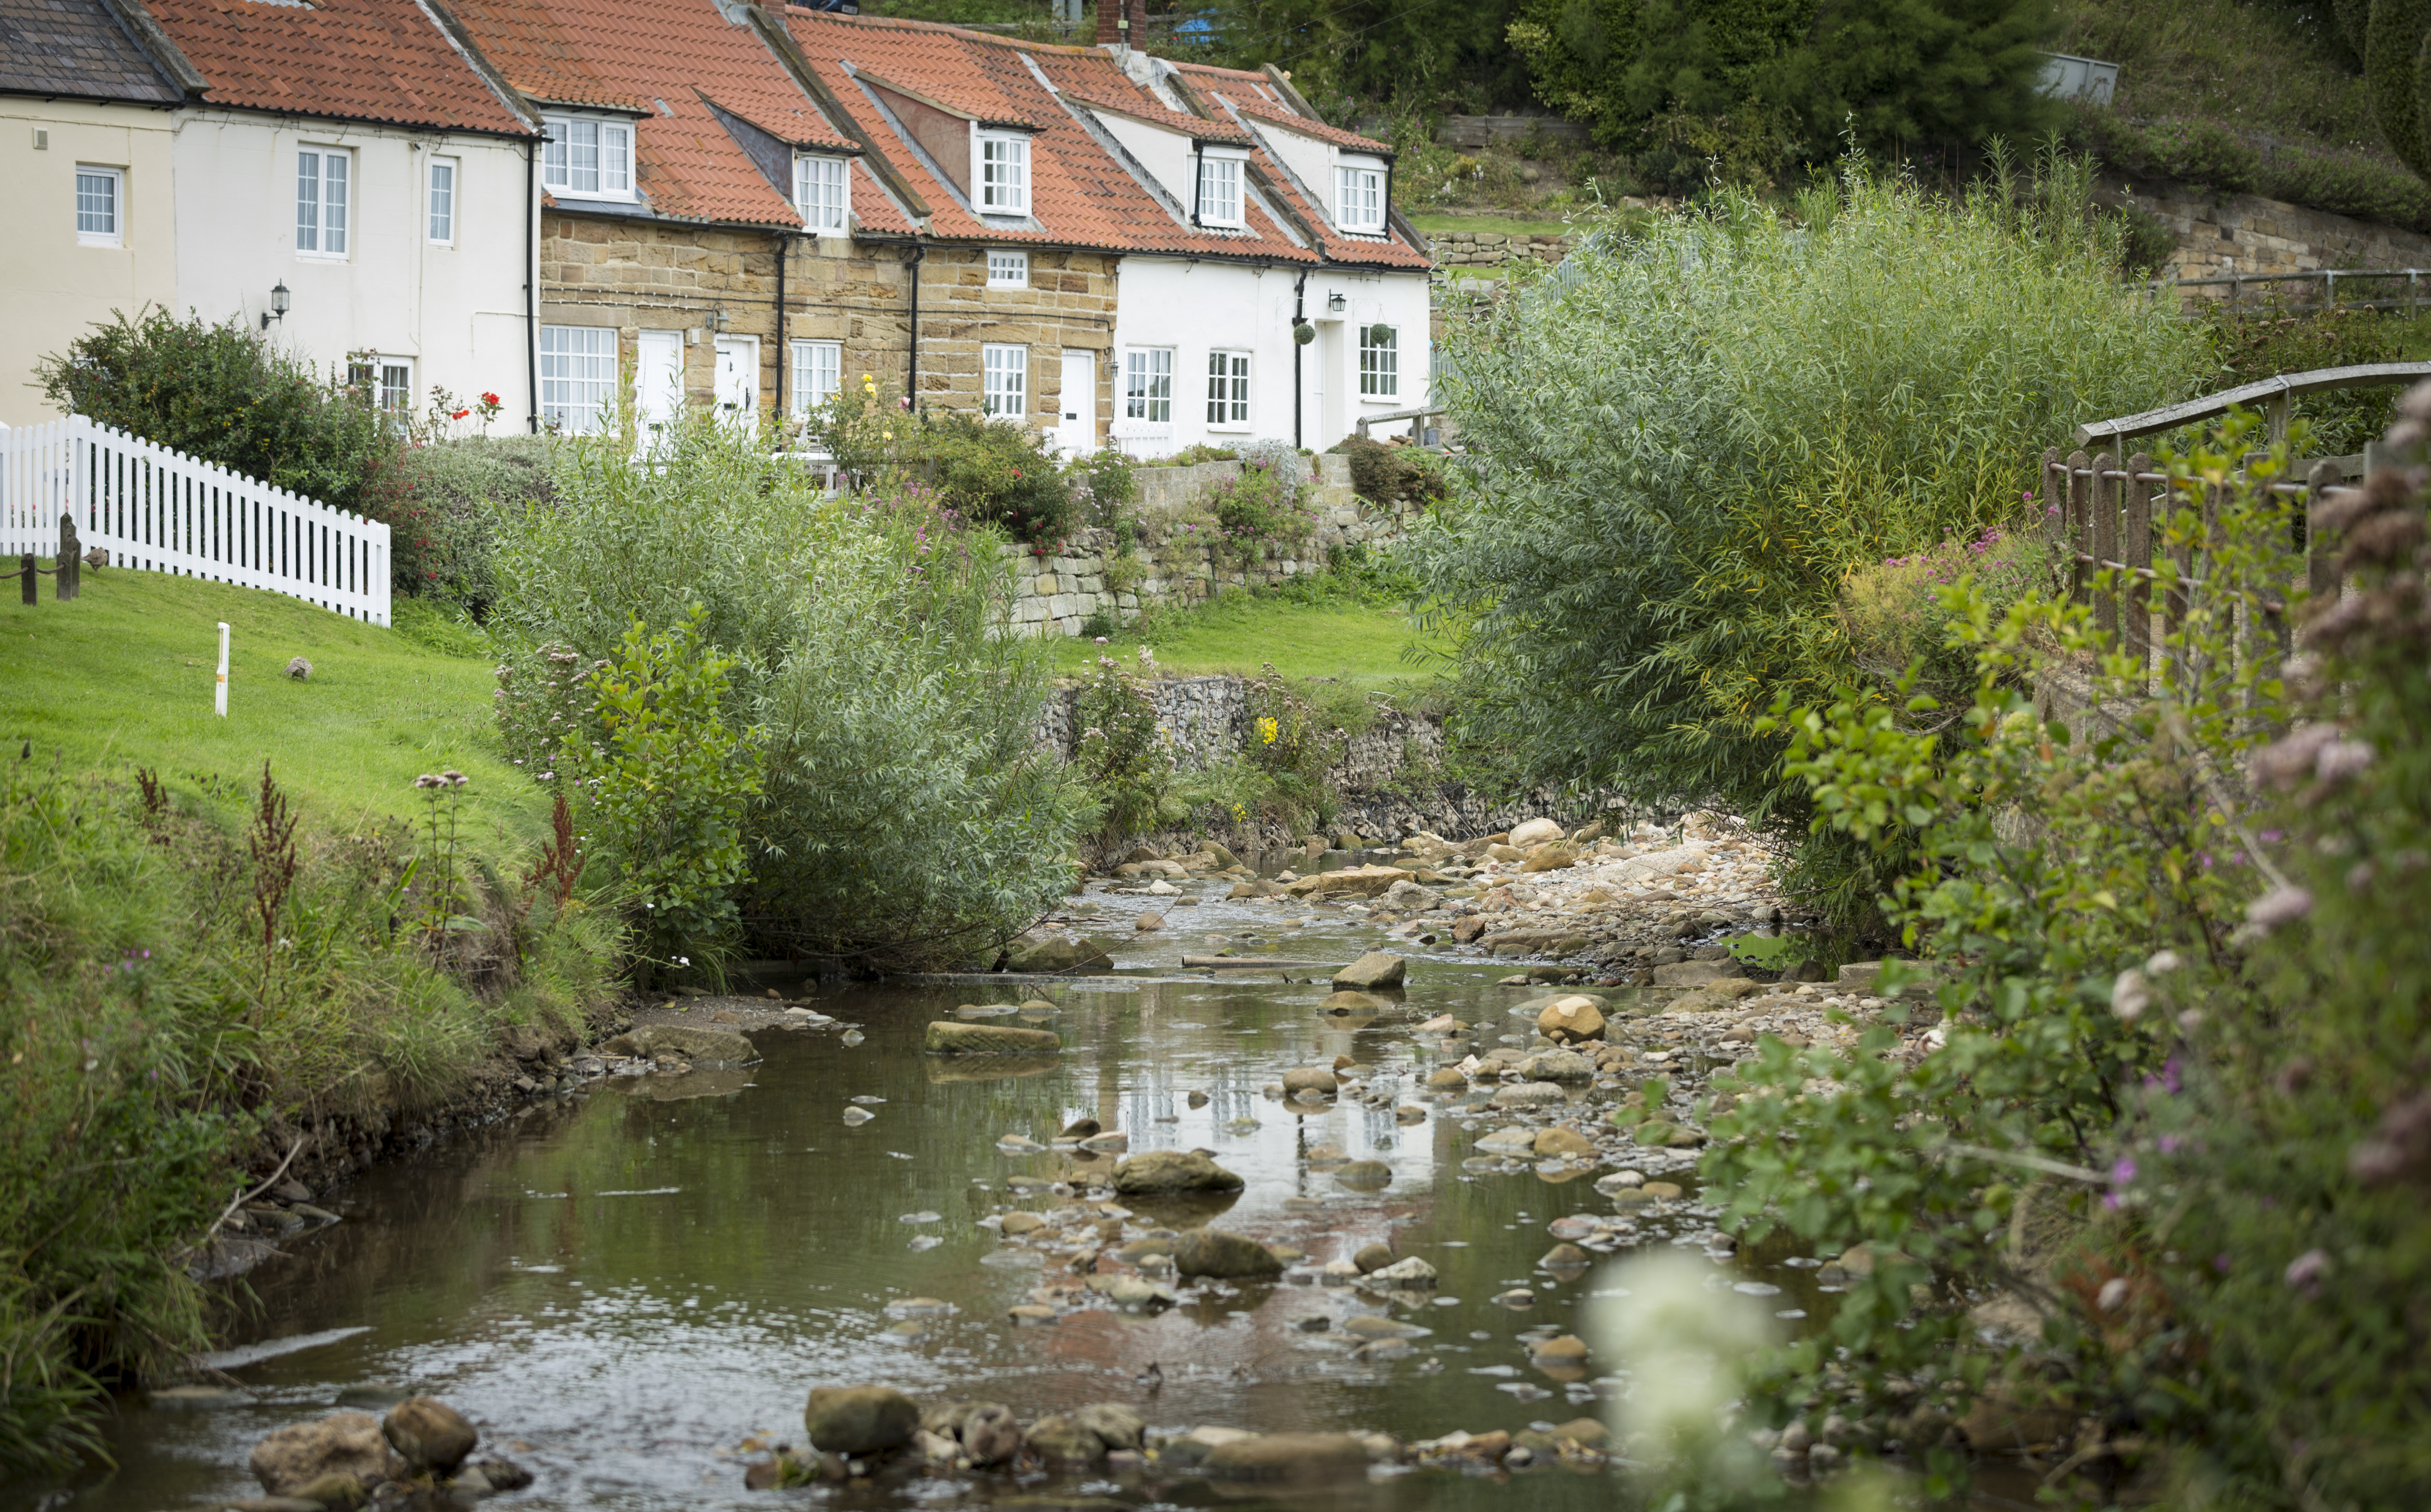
x=278 y=302
x=1334 y=303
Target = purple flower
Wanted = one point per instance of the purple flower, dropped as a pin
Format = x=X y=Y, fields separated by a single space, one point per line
x=2122 y=1172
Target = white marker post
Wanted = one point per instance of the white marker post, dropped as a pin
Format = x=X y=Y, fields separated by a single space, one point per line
x=219 y=695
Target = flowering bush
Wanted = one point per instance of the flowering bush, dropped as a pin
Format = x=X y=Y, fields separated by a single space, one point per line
x=1259 y=514
x=990 y=471
x=1894 y=614
x=444 y=501
x=1125 y=753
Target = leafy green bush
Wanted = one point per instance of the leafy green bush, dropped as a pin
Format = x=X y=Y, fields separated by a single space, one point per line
x=907 y=815
x=1259 y=514
x=664 y=788
x=1683 y=446
x=1896 y=619
x=442 y=502
x=1104 y=488
x=223 y=394
x=1392 y=475
x=2265 y=338
x=1124 y=751
x=2200 y=1006
x=2219 y=156
x=989 y=472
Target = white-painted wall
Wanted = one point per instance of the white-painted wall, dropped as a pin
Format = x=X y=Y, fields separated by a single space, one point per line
x=53 y=287
x=1195 y=307
x=457 y=311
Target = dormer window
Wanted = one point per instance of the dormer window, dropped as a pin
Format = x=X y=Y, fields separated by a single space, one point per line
x=1219 y=188
x=1359 y=196
x=587 y=158
x=819 y=191
x=1005 y=174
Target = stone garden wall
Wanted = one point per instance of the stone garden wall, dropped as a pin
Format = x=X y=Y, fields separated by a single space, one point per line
x=1492 y=250
x=1178 y=561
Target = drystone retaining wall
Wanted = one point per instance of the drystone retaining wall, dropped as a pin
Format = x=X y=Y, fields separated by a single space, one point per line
x=1492 y=250
x=1057 y=591
x=2221 y=234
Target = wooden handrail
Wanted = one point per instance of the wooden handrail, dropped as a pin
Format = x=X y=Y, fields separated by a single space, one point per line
x=2276 y=391
x=1420 y=412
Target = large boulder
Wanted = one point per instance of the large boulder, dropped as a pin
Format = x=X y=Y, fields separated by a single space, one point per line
x=1558 y=1065
x=1319 y=1079
x=987 y=1431
x=860 y=1419
x=1357 y=881
x=1696 y=973
x=429 y=1433
x=1568 y=1021
x=1289 y=1459
x=1377 y=969
x=1168 y=1172
x=343 y=1443
x=1535 y=833
x=947 y=1037
x=701 y=1046
x=1060 y=952
x=1223 y=1255
x=1409 y=898
x=1554 y=856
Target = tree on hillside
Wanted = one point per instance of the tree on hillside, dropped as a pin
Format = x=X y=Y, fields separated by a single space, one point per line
x=1426 y=55
x=2388 y=35
x=1762 y=84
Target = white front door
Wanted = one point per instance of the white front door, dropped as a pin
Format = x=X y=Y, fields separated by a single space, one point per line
x=658 y=381
x=738 y=380
x=1076 y=431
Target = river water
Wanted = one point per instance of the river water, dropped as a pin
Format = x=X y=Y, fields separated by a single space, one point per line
x=632 y=1286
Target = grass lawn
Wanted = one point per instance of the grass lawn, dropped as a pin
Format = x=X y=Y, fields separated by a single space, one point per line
x=122 y=678
x=1361 y=644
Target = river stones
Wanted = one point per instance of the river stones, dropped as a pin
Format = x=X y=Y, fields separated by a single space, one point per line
x=1533 y=832
x=429 y=1433
x=945 y=1037
x=1353 y=1003
x=1529 y=1095
x=1289 y=1459
x=1411 y=1272
x=1449 y=1079
x=1165 y=1172
x=343 y=1443
x=1511 y=1141
x=1564 y=1144
x=704 y=1048
x=1568 y=1021
x=1223 y=1255
x=1377 y=969
x=984 y=1431
x=1551 y=856
x=1372 y=1257
x=1365 y=1175
x=1087 y=1434
x=1562 y=1348
x=1558 y=1065
x=1695 y=973
x=1057 y=952
x=858 y=1419
x=1321 y=1080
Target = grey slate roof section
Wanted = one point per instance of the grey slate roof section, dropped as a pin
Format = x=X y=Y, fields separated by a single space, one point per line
x=75 y=49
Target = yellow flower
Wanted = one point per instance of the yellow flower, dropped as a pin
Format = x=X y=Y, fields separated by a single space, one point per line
x=1268 y=729
x=888 y=434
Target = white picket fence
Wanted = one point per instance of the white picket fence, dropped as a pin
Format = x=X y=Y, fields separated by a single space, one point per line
x=155 y=510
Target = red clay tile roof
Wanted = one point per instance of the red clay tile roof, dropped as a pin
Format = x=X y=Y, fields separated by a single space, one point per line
x=1198 y=128
x=347 y=60
x=1081 y=194
x=1293 y=121
x=665 y=61
x=962 y=97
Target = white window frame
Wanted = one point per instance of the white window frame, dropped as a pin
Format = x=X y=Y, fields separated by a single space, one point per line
x=1147 y=384
x=1008 y=270
x=1004 y=382
x=607 y=144
x=1220 y=176
x=578 y=377
x=442 y=189
x=1228 y=389
x=999 y=171
x=325 y=191
x=818 y=373
x=1359 y=197
x=1380 y=362
x=113 y=234
x=823 y=192
x=387 y=382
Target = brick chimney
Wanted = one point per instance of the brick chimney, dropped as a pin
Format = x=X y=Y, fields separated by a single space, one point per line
x=1112 y=16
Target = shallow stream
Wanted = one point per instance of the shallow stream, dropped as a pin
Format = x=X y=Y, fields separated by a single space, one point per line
x=629 y=1285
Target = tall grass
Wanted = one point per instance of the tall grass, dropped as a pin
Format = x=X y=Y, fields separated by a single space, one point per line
x=1680 y=445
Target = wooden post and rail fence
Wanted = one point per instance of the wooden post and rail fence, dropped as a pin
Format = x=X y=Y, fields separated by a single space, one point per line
x=95 y=495
x=2105 y=511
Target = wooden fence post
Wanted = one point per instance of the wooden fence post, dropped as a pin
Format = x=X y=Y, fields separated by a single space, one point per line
x=25 y=570
x=2321 y=563
x=2054 y=490
x=2136 y=551
x=70 y=583
x=2103 y=496
x=2078 y=534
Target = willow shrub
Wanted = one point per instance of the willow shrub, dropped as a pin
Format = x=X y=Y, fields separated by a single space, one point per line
x=1682 y=442
x=907 y=813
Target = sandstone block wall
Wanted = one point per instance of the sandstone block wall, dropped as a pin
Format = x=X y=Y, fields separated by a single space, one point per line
x=1058 y=590
x=2223 y=234
x=1492 y=250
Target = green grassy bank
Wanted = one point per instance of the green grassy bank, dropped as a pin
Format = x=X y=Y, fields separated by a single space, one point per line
x=1366 y=645
x=121 y=678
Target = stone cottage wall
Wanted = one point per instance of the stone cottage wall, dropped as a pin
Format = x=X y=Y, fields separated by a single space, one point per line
x=1058 y=592
x=1492 y=250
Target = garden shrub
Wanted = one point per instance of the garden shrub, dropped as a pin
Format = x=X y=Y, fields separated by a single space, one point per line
x=223 y=394
x=995 y=472
x=906 y=814
x=664 y=790
x=1386 y=476
x=2218 y=155
x=2182 y=1032
x=1124 y=752
x=442 y=501
x=1681 y=448
x=2264 y=338
x=1258 y=515
x=1896 y=620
